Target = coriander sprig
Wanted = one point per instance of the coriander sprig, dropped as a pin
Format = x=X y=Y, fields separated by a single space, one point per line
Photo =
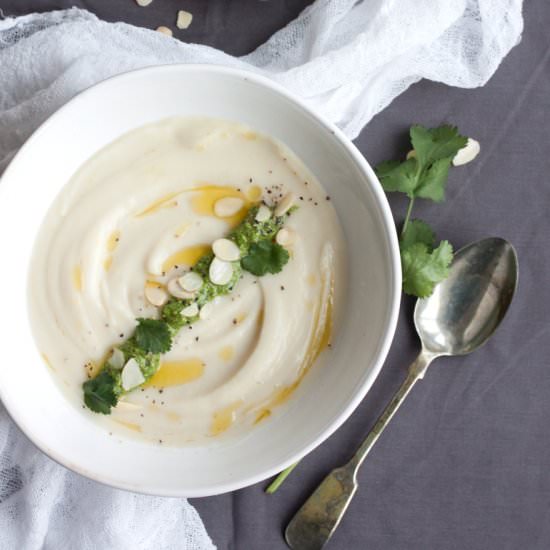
x=423 y=175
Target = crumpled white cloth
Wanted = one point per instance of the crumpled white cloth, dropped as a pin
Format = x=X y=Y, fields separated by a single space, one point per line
x=45 y=506
x=349 y=59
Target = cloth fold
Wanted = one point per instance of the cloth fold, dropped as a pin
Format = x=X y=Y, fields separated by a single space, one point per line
x=347 y=58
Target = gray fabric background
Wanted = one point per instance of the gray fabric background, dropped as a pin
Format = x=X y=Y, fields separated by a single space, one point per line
x=466 y=462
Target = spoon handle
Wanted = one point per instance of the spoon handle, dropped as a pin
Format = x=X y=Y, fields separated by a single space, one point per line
x=319 y=516
x=417 y=370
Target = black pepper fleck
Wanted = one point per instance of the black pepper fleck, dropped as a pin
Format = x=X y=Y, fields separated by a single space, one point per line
x=327 y=197
x=121 y=334
x=196 y=338
x=282 y=287
x=301 y=198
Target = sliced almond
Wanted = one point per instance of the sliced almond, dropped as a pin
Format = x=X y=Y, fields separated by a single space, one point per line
x=263 y=214
x=131 y=376
x=174 y=288
x=228 y=206
x=285 y=237
x=220 y=272
x=190 y=311
x=285 y=205
x=468 y=153
x=226 y=250
x=156 y=296
x=206 y=310
x=411 y=154
x=165 y=30
x=190 y=282
x=117 y=359
x=143 y=3
x=184 y=19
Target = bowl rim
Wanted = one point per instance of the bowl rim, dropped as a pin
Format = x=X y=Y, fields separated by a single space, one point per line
x=390 y=233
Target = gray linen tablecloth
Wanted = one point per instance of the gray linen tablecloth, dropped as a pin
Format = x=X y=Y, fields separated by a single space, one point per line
x=466 y=462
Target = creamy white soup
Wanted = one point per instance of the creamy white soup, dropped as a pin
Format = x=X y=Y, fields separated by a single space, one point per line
x=127 y=228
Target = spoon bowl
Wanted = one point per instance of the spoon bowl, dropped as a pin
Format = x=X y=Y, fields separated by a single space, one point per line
x=467 y=307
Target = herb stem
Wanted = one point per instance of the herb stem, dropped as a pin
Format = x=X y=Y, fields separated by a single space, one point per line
x=277 y=482
x=407 y=216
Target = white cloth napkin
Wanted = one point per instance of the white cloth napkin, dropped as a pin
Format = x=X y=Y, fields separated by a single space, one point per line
x=349 y=59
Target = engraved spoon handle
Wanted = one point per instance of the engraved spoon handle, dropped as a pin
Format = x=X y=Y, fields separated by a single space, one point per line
x=317 y=519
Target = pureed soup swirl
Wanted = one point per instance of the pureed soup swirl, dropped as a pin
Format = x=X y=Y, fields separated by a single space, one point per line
x=159 y=226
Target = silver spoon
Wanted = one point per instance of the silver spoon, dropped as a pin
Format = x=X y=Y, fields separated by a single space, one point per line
x=461 y=314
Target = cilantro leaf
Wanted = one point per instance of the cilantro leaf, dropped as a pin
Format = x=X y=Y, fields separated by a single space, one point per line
x=265 y=257
x=432 y=185
x=424 y=268
x=153 y=335
x=417 y=231
x=100 y=393
x=425 y=174
x=432 y=144
x=398 y=176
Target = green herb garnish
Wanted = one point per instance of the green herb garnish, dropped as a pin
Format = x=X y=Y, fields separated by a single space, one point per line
x=152 y=337
x=100 y=393
x=424 y=267
x=278 y=481
x=423 y=175
x=265 y=257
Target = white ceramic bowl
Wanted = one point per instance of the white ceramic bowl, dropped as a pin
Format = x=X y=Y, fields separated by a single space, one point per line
x=330 y=391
